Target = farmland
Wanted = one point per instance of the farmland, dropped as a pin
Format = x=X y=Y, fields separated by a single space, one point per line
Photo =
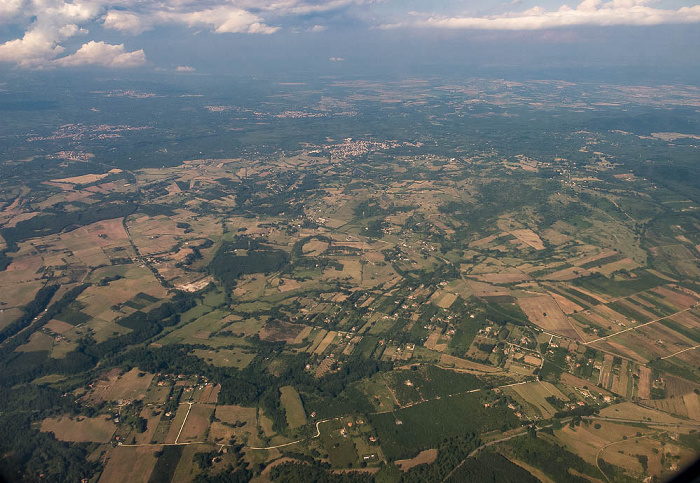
x=381 y=302
x=98 y=429
x=407 y=431
x=293 y=407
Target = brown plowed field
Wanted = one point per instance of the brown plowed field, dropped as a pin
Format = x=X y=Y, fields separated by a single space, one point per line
x=543 y=311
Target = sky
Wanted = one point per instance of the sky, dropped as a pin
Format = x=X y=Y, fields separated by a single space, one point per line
x=251 y=36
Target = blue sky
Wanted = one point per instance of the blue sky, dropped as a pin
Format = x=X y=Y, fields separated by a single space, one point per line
x=210 y=35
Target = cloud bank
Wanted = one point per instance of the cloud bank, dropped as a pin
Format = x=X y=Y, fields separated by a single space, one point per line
x=587 y=13
x=48 y=24
x=106 y=55
x=49 y=27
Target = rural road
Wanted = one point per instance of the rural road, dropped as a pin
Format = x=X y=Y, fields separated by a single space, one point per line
x=318 y=433
x=451 y=395
x=681 y=351
x=648 y=423
x=639 y=326
x=597 y=456
x=564 y=421
x=318 y=430
x=485 y=445
x=183 y=422
x=318 y=423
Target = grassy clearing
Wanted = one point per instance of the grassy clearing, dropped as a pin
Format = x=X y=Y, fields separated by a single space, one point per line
x=215 y=298
x=156 y=394
x=235 y=357
x=166 y=464
x=534 y=394
x=327 y=340
x=621 y=286
x=50 y=379
x=245 y=327
x=197 y=424
x=97 y=301
x=176 y=423
x=366 y=346
x=99 y=429
x=186 y=470
x=378 y=392
x=234 y=421
x=37 y=342
x=317 y=337
x=7 y=316
x=429 y=382
x=153 y=417
x=339 y=446
x=405 y=432
x=293 y=407
x=130 y=464
x=131 y=385
x=424 y=457
x=196 y=331
x=544 y=312
x=61 y=348
x=73 y=316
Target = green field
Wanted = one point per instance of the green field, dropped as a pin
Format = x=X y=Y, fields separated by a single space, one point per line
x=340 y=448
x=226 y=357
x=166 y=464
x=428 y=382
x=619 y=286
x=293 y=408
x=198 y=330
x=413 y=265
x=405 y=432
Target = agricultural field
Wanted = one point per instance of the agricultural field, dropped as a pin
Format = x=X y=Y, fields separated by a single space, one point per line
x=379 y=303
x=98 y=430
x=134 y=464
x=534 y=398
x=234 y=421
x=408 y=431
x=197 y=424
x=635 y=451
x=293 y=408
x=235 y=357
x=546 y=313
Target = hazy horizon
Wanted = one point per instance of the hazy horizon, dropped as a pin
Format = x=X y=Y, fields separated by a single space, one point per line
x=352 y=37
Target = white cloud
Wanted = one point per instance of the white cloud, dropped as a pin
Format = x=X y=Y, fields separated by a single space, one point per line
x=336 y=59
x=233 y=16
x=48 y=24
x=184 y=68
x=587 y=13
x=129 y=22
x=51 y=23
x=221 y=16
x=223 y=19
x=9 y=9
x=295 y=7
x=34 y=47
x=103 y=54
